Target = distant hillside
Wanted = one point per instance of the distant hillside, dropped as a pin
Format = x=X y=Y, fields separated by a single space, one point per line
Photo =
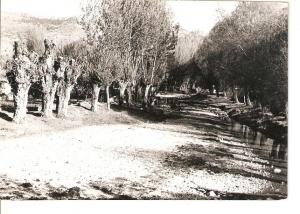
x=187 y=45
x=13 y=26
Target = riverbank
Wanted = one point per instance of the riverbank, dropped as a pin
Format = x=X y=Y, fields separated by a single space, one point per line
x=275 y=127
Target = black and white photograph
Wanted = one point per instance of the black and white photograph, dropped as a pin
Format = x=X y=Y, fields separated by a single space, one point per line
x=144 y=100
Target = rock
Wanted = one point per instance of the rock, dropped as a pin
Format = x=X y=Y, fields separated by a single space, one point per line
x=277 y=171
x=212 y=194
x=26 y=185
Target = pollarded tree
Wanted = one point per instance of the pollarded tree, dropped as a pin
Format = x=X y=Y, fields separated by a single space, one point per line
x=21 y=73
x=48 y=69
x=49 y=74
x=71 y=64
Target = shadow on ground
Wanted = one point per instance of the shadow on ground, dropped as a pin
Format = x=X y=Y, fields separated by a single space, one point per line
x=216 y=160
x=153 y=115
x=5 y=117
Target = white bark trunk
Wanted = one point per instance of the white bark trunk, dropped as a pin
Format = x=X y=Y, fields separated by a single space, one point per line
x=95 y=97
x=146 y=95
x=107 y=98
x=123 y=87
x=129 y=100
x=235 y=95
x=21 y=100
x=48 y=100
x=63 y=101
x=248 y=101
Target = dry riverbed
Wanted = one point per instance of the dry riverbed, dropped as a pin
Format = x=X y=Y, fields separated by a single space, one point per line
x=120 y=156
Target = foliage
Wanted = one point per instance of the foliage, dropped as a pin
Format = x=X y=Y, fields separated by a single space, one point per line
x=130 y=40
x=22 y=69
x=35 y=40
x=248 y=50
x=187 y=46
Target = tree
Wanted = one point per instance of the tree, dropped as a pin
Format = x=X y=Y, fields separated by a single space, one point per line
x=102 y=58
x=21 y=73
x=158 y=47
x=187 y=46
x=248 y=51
x=50 y=73
x=71 y=64
x=138 y=34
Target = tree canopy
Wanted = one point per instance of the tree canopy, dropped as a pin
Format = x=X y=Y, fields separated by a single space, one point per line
x=248 y=50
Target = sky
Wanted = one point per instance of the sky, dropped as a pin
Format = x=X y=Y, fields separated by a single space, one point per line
x=191 y=15
x=199 y=15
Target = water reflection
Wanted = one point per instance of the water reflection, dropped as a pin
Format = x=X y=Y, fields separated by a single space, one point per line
x=264 y=146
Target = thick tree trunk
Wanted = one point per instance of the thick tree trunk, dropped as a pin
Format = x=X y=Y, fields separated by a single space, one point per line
x=248 y=101
x=107 y=98
x=43 y=104
x=136 y=93
x=48 y=100
x=129 y=98
x=20 y=101
x=95 y=97
x=282 y=151
x=139 y=94
x=235 y=95
x=146 y=96
x=63 y=101
x=123 y=87
x=47 y=110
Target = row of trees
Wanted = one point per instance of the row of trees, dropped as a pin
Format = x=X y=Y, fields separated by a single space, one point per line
x=128 y=42
x=55 y=75
x=184 y=73
x=247 y=52
x=187 y=45
x=132 y=42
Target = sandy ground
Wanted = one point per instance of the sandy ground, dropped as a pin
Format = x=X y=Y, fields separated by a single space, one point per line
x=131 y=159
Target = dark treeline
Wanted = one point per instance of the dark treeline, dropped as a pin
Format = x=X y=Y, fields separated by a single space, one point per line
x=245 y=55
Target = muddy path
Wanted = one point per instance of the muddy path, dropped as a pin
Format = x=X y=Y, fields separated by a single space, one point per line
x=195 y=155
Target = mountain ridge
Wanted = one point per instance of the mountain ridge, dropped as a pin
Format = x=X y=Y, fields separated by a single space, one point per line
x=16 y=25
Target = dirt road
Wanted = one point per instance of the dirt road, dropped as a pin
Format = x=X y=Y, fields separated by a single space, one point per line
x=135 y=161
